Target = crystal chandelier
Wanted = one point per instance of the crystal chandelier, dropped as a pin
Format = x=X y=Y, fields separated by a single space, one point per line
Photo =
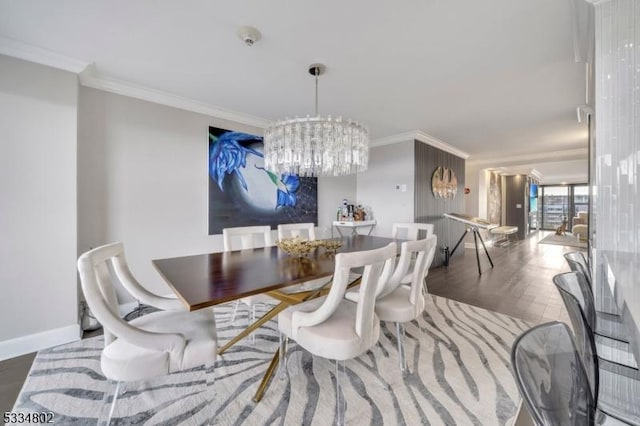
x=316 y=146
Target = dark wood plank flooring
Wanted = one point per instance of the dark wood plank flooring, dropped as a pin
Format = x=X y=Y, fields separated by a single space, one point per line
x=519 y=285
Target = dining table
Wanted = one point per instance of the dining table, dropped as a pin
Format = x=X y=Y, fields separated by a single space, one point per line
x=209 y=279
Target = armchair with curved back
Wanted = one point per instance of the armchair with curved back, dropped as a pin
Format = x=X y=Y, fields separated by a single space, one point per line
x=244 y=238
x=335 y=328
x=302 y=230
x=404 y=303
x=147 y=347
x=411 y=231
x=580 y=226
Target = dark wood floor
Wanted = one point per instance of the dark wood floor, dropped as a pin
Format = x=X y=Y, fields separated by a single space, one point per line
x=519 y=285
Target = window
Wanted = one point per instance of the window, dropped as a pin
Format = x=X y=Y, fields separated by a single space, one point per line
x=555 y=206
x=560 y=203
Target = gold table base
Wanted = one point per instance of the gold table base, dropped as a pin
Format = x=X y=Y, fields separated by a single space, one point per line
x=286 y=300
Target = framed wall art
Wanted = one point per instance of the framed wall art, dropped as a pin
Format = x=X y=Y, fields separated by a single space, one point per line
x=243 y=193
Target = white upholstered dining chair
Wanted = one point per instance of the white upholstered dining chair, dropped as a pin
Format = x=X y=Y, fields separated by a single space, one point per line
x=303 y=230
x=147 y=347
x=410 y=231
x=400 y=303
x=335 y=328
x=245 y=238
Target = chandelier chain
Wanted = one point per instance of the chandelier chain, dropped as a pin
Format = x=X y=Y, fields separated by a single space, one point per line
x=317 y=70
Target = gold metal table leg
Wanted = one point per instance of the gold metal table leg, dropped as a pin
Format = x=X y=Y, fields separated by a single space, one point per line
x=286 y=301
x=244 y=333
x=267 y=377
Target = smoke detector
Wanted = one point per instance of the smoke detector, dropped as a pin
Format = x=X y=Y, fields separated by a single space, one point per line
x=249 y=35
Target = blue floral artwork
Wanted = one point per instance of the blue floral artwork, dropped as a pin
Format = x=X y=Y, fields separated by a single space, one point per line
x=243 y=193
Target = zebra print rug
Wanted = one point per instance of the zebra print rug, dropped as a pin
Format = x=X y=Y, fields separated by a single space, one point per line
x=460 y=374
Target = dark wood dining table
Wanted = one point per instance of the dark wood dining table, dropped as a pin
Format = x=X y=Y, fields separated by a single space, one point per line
x=209 y=279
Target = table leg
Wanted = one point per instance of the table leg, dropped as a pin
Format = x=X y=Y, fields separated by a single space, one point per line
x=485 y=249
x=475 y=241
x=267 y=377
x=264 y=384
x=339 y=231
x=370 y=229
x=244 y=333
x=459 y=241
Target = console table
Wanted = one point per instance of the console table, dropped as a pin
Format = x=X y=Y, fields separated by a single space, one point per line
x=353 y=225
x=473 y=224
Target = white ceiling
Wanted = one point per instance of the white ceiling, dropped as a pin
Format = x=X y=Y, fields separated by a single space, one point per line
x=491 y=78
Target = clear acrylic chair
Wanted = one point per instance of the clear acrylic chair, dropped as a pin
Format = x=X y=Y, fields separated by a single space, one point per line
x=246 y=238
x=411 y=231
x=551 y=377
x=606 y=324
x=608 y=349
x=578 y=263
x=335 y=328
x=616 y=389
x=147 y=347
x=553 y=380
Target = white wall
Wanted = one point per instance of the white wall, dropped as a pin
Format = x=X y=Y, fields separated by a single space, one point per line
x=143 y=180
x=389 y=166
x=38 y=128
x=476 y=200
x=331 y=192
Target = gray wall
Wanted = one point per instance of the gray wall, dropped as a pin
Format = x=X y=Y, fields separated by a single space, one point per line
x=390 y=167
x=514 y=195
x=38 y=124
x=428 y=208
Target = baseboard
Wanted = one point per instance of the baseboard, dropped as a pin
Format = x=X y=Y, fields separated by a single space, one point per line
x=34 y=342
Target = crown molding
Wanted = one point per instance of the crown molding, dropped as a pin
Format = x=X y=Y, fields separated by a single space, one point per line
x=91 y=78
x=420 y=136
x=538 y=157
x=40 y=55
